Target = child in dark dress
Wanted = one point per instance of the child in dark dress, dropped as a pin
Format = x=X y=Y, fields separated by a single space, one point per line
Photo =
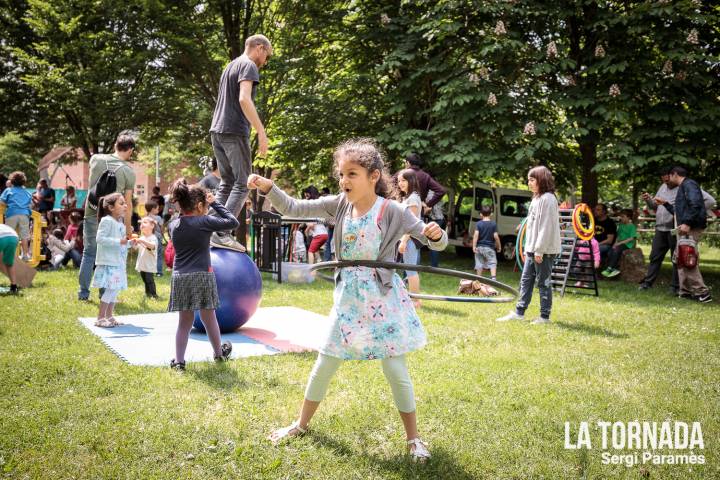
x=193 y=285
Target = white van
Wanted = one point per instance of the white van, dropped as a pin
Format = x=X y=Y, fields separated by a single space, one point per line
x=509 y=206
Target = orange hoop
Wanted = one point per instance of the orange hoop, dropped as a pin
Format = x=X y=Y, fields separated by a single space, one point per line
x=580 y=230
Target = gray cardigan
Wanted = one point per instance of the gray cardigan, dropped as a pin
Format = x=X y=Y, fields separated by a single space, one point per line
x=543 y=226
x=396 y=221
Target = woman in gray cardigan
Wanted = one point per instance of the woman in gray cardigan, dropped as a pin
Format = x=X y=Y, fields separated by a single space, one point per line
x=542 y=245
x=372 y=315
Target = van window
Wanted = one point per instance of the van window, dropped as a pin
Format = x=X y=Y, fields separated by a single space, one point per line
x=483 y=198
x=514 y=206
x=465 y=206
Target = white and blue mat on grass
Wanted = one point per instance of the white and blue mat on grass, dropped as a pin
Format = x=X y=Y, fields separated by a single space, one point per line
x=149 y=339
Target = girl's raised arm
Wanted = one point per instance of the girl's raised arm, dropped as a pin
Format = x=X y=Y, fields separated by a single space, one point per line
x=323 y=207
x=225 y=221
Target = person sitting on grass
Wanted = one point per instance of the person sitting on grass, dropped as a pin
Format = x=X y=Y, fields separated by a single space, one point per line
x=193 y=285
x=71 y=235
x=605 y=230
x=627 y=233
x=486 y=242
x=8 y=246
x=59 y=247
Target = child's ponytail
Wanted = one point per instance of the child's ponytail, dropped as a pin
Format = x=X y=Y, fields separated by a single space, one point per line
x=106 y=203
x=188 y=197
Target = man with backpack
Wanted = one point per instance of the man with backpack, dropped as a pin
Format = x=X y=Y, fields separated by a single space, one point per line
x=691 y=221
x=109 y=173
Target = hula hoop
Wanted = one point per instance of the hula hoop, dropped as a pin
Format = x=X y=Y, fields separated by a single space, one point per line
x=426 y=269
x=520 y=243
x=580 y=230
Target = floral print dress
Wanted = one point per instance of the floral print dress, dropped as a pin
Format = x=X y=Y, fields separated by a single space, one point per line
x=366 y=324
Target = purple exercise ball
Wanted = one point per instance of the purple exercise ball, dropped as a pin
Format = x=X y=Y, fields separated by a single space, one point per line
x=239 y=287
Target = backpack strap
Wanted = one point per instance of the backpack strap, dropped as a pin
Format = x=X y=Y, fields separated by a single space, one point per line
x=121 y=166
x=382 y=211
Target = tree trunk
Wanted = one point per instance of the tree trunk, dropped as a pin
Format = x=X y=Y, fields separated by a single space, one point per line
x=588 y=152
x=230 y=11
x=635 y=201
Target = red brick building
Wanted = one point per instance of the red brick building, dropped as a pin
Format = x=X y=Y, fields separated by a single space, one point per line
x=64 y=166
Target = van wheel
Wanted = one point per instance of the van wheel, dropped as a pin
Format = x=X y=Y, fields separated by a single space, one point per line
x=508 y=248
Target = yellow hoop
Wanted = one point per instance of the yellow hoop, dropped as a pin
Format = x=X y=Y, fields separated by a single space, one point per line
x=520 y=244
x=580 y=230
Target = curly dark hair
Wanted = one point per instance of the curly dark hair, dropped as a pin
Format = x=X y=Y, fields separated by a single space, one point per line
x=18 y=179
x=366 y=153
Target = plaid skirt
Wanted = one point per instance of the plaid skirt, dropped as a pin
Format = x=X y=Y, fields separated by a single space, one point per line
x=193 y=291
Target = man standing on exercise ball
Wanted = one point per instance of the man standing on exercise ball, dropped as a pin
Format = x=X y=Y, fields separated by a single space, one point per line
x=230 y=130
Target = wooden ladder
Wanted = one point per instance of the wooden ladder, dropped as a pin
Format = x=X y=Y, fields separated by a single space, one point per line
x=568 y=270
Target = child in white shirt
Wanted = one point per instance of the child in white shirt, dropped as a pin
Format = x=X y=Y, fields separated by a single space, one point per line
x=299 y=250
x=147 y=246
x=58 y=247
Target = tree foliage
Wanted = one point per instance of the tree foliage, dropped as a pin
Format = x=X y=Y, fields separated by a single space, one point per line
x=598 y=91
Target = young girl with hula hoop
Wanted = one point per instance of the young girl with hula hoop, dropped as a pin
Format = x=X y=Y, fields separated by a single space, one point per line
x=373 y=316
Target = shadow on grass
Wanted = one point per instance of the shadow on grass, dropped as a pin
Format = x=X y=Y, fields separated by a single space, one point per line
x=590 y=330
x=441 y=465
x=219 y=376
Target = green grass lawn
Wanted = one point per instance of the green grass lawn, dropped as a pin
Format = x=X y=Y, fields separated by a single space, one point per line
x=492 y=397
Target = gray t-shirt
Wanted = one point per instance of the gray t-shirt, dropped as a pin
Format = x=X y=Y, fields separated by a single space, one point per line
x=228 y=116
x=124 y=175
x=210 y=182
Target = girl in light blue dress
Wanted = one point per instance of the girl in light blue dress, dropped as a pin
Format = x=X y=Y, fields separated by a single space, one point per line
x=372 y=315
x=110 y=260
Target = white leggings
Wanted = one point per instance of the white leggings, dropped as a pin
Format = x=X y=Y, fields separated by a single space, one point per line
x=394 y=368
x=109 y=296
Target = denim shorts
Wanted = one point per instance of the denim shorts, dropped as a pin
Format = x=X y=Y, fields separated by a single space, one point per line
x=485 y=258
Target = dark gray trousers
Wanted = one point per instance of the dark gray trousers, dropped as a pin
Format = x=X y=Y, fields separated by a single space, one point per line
x=235 y=164
x=531 y=273
x=663 y=242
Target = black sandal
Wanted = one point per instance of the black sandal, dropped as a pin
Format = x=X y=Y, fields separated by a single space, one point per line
x=226 y=350
x=179 y=366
